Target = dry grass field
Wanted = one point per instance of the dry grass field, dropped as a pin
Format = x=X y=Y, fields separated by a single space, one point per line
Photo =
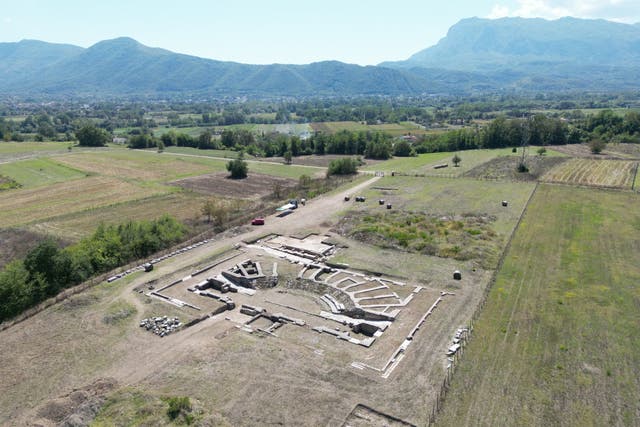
x=184 y=206
x=600 y=173
x=138 y=166
x=25 y=206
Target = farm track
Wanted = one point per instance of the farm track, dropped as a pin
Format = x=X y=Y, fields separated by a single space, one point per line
x=226 y=159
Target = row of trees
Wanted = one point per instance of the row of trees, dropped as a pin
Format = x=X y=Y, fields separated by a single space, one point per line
x=503 y=132
x=47 y=269
x=375 y=145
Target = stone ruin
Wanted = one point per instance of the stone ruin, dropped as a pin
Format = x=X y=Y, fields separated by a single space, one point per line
x=161 y=326
x=244 y=274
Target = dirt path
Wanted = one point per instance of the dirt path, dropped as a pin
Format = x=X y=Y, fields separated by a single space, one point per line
x=146 y=359
x=226 y=159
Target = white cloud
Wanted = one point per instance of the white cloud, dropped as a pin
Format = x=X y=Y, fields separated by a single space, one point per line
x=614 y=10
x=498 y=11
x=7 y=20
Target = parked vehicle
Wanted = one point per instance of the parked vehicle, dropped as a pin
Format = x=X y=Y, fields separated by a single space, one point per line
x=257 y=221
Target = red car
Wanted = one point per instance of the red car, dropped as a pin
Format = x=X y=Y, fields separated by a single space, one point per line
x=257 y=221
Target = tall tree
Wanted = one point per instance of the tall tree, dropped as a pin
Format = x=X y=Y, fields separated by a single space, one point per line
x=92 y=136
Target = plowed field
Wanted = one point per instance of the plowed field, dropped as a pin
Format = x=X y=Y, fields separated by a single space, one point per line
x=600 y=173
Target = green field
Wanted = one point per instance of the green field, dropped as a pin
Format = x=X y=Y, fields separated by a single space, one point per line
x=37 y=172
x=291 y=129
x=556 y=343
x=193 y=131
x=285 y=171
x=424 y=163
x=28 y=147
x=395 y=129
x=227 y=154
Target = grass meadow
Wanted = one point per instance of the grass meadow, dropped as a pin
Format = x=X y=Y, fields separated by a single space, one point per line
x=38 y=172
x=424 y=163
x=555 y=343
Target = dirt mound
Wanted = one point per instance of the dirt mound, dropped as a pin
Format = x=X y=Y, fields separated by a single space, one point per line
x=507 y=168
x=254 y=186
x=77 y=408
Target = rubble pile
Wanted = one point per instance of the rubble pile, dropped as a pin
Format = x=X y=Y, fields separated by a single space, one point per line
x=161 y=325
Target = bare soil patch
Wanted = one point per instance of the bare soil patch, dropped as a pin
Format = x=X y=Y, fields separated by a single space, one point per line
x=219 y=184
x=78 y=407
x=584 y=151
x=507 y=168
x=627 y=151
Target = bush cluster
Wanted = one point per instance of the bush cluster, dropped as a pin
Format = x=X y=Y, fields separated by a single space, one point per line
x=47 y=269
x=345 y=166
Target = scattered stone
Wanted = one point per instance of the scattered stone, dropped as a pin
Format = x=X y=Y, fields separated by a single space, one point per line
x=161 y=326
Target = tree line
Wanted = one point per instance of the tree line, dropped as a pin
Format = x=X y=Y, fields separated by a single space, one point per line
x=502 y=132
x=374 y=145
x=47 y=269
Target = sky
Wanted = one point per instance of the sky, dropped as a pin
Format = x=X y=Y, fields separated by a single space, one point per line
x=364 y=32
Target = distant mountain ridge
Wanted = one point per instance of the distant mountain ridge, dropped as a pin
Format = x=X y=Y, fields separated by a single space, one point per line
x=477 y=55
x=124 y=66
x=476 y=44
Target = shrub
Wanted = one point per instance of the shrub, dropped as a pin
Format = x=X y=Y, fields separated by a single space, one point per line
x=597 y=145
x=403 y=149
x=238 y=167
x=522 y=167
x=346 y=166
x=177 y=406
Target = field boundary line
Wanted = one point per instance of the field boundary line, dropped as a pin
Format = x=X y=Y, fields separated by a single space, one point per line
x=635 y=176
x=444 y=388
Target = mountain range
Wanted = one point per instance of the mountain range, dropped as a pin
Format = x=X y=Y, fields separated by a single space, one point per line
x=477 y=55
